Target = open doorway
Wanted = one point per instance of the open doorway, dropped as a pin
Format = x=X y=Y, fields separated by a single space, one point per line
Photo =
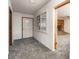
x=62 y=25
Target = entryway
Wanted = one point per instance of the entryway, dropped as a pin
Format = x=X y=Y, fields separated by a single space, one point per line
x=27 y=27
x=62 y=26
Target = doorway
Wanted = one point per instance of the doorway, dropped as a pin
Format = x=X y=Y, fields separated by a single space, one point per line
x=27 y=27
x=60 y=25
x=60 y=22
x=10 y=27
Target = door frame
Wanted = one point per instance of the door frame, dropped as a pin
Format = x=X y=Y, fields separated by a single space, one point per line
x=22 y=23
x=10 y=27
x=55 y=25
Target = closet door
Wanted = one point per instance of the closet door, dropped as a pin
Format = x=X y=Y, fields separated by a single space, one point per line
x=27 y=28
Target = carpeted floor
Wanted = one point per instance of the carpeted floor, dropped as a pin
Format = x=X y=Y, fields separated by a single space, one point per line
x=62 y=33
x=31 y=49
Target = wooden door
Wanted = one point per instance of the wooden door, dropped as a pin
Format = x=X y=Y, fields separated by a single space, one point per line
x=10 y=27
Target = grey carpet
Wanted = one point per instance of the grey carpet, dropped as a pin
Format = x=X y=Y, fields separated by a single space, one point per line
x=32 y=49
x=62 y=33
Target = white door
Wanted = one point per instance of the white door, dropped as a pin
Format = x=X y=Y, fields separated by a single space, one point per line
x=27 y=28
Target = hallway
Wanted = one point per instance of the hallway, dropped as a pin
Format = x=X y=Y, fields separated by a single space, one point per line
x=31 y=49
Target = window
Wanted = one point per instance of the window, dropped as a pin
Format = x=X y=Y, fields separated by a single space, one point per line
x=38 y=22
x=41 y=22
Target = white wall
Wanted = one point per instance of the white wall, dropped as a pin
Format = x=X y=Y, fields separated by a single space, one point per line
x=17 y=24
x=67 y=25
x=47 y=38
x=64 y=10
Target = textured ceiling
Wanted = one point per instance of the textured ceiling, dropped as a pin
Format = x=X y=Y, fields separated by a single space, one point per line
x=26 y=6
